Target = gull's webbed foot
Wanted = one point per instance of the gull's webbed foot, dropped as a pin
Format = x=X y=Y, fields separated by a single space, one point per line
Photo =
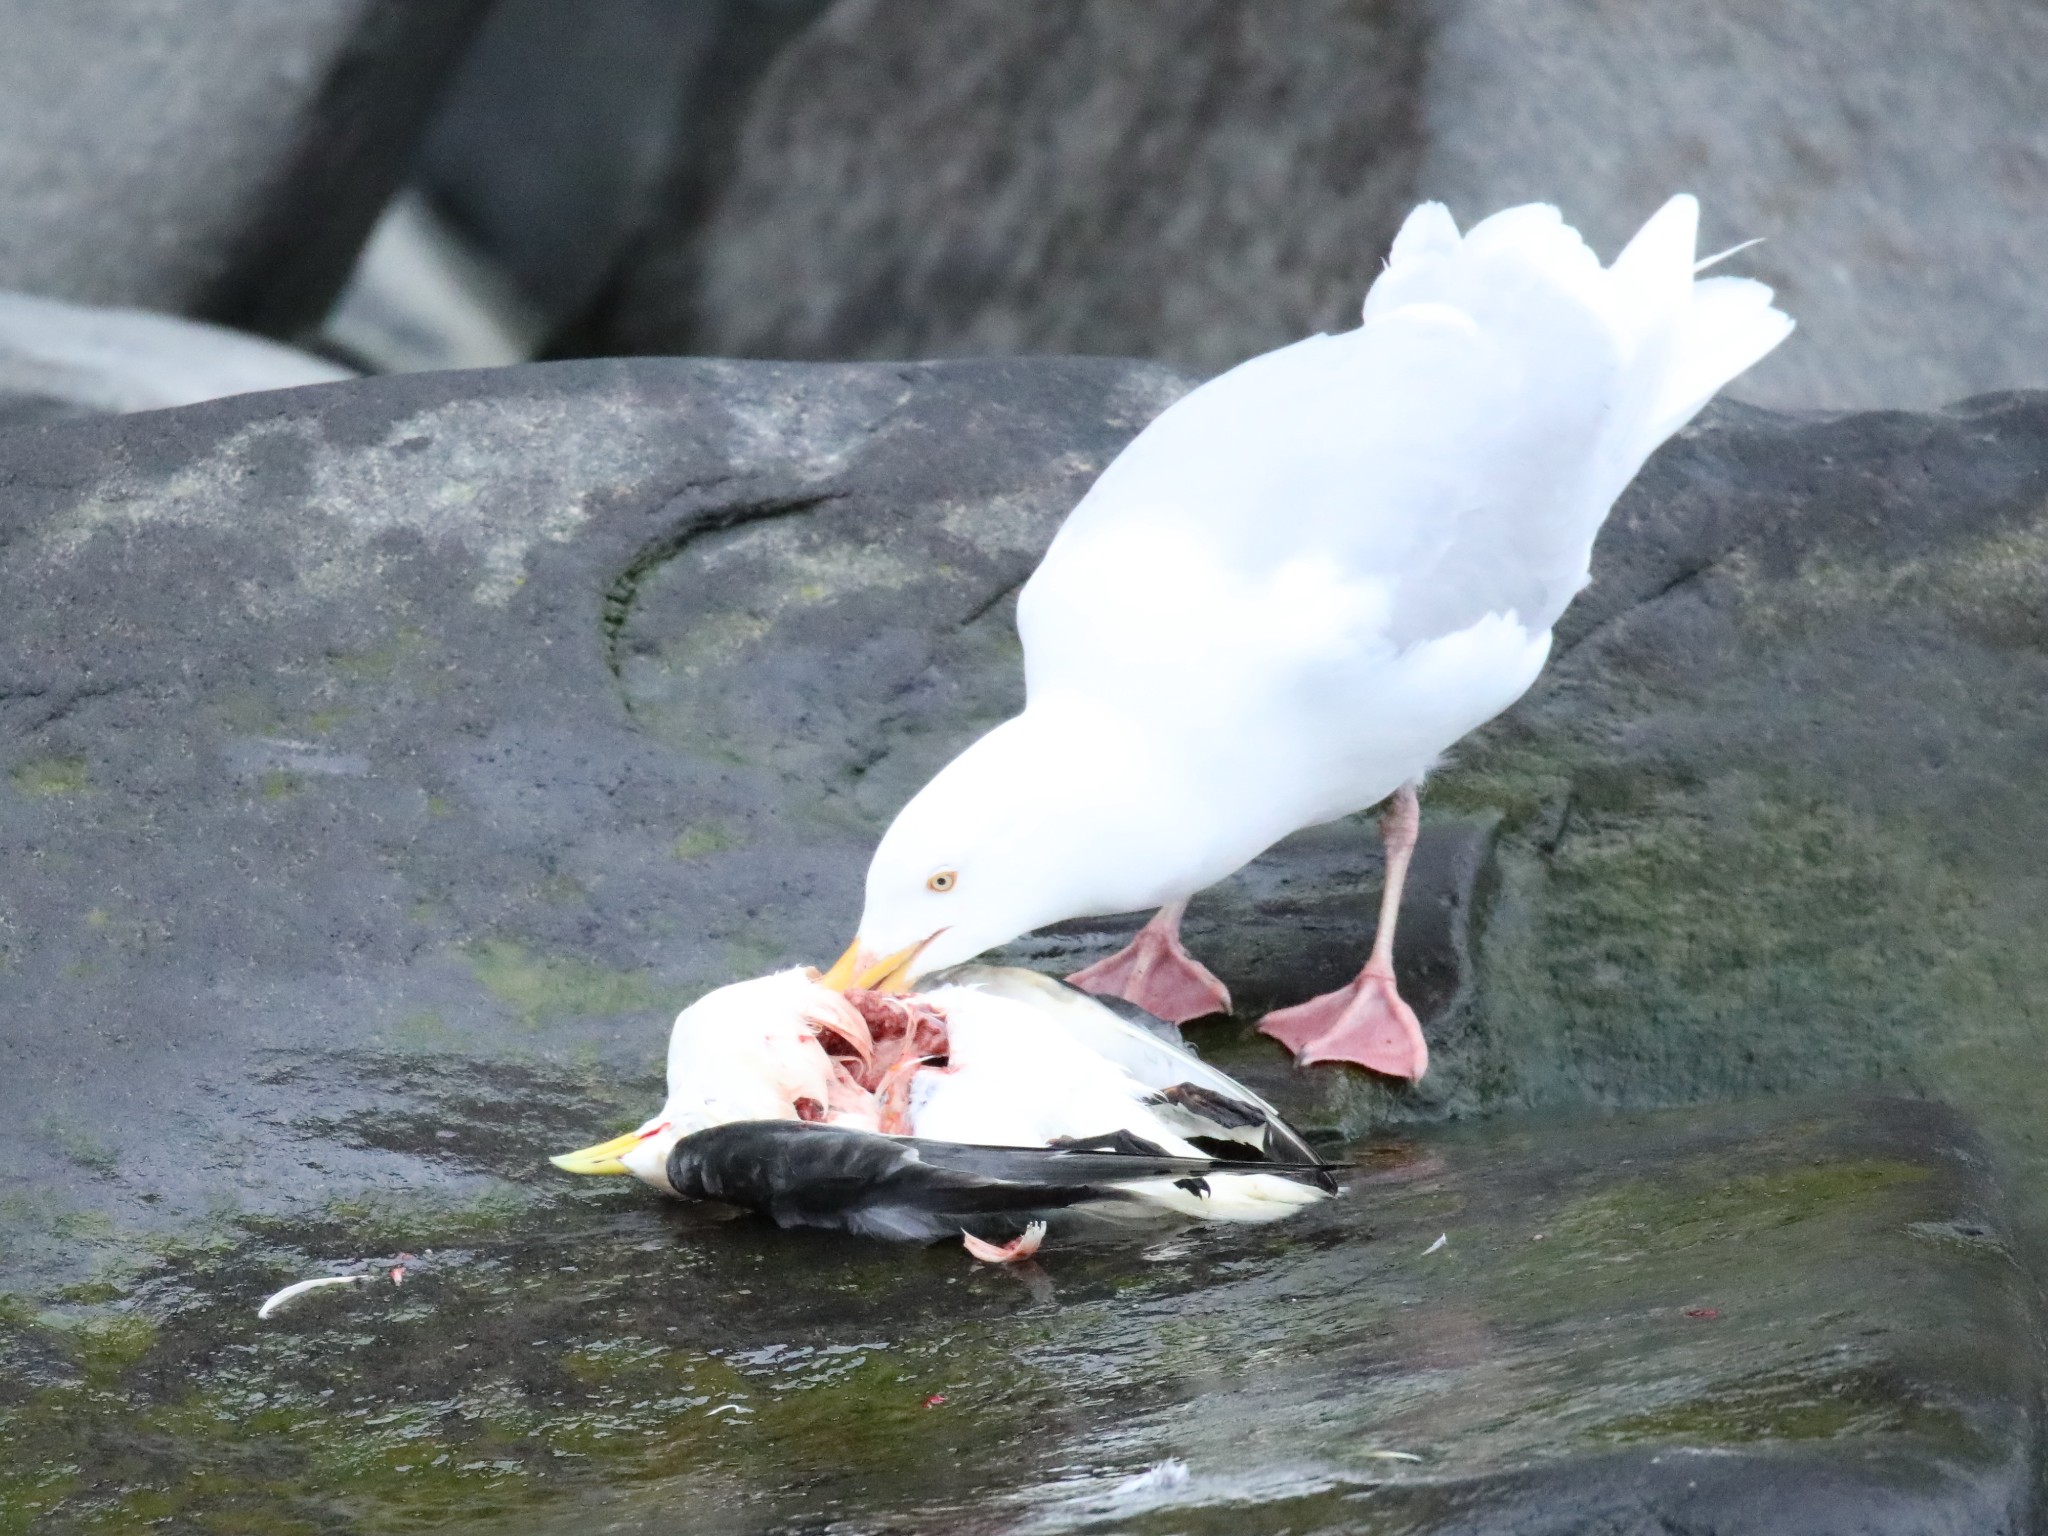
x=1366 y=1023
x=1156 y=972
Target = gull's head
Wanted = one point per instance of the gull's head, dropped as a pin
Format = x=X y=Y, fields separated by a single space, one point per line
x=1044 y=818
x=749 y=1051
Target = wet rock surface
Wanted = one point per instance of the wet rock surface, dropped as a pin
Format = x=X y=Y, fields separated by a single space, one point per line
x=1769 y=819
x=324 y=743
x=1803 y=1318
x=389 y=759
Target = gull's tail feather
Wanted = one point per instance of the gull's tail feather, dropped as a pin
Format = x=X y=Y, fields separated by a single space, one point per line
x=1729 y=326
x=1614 y=358
x=1426 y=234
x=1485 y=271
x=1692 y=334
x=1683 y=336
x=1688 y=336
x=1651 y=280
x=1454 y=456
x=1720 y=256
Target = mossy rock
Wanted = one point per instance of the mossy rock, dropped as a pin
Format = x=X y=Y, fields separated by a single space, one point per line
x=389 y=759
x=1810 y=1312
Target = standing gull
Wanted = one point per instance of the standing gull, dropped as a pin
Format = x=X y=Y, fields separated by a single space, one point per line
x=1295 y=589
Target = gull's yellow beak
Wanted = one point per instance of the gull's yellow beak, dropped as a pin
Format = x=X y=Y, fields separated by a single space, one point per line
x=858 y=971
x=602 y=1158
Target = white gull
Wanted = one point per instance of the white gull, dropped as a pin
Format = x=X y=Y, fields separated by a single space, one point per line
x=1296 y=589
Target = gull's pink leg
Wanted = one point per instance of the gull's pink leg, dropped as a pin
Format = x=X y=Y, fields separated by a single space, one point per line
x=1157 y=973
x=1366 y=1022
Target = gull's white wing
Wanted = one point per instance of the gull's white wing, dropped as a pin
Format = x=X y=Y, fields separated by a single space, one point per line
x=1014 y=1077
x=1451 y=459
x=1220 y=1106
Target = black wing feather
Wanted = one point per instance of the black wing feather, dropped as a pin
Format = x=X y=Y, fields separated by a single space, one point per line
x=806 y=1175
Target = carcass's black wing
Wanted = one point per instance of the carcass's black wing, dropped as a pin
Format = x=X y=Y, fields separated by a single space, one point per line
x=829 y=1176
x=1236 y=1128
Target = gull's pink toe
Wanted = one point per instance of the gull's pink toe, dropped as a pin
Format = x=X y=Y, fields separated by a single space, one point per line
x=1365 y=1023
x=1160 y=976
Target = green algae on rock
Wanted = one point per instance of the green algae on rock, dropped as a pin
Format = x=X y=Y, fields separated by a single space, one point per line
x=544 y=987
x=1770 y=823
x=1739 y=1282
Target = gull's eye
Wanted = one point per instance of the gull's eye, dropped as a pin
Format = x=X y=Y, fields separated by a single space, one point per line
x=943 y=881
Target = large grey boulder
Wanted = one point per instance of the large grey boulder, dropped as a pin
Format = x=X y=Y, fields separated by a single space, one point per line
x=324 y=720
x=1197 y=181
x=215 y=158
x=1893 y=155
x=386 y=760
x=567 y=130
x=1192 y=180
x=537 y=699
x=555 y=131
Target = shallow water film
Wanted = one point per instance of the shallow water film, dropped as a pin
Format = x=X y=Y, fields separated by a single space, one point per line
x=1804 y=1292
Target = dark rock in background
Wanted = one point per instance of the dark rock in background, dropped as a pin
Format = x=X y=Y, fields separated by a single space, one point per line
x=1893 y=155
x=1197 y=181
x=215 y=158
x=1193 y=180
x=568 y=131
x=1188 y=180
x=20 y=407
x=555 y=131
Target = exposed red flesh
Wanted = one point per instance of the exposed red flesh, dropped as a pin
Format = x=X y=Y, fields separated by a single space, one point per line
x=834 y=1019
x=875 y=1061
